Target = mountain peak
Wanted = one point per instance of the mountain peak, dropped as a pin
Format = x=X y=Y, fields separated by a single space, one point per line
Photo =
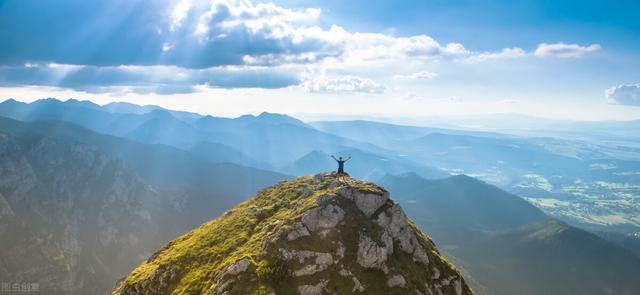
x=272 y=118
x=10 y=100
x=320 y=234
x=127 y=107
x=268 y=115
x=160 y=113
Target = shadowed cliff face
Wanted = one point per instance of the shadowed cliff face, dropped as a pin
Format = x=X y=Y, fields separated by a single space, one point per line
x=319 y=234
x=71 y=216
x=79 y=210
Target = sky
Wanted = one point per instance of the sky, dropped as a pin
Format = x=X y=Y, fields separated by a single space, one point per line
x=576 y=60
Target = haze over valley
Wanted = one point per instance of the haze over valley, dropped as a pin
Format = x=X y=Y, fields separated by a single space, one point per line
x=473 y=191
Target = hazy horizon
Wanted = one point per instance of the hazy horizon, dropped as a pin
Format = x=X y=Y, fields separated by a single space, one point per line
x=423 y=121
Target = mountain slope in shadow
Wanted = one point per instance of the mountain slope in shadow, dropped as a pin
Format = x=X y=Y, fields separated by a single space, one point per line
x=79 y=209
x=508 y=246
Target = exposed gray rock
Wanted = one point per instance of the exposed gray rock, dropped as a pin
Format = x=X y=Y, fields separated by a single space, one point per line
x=357 y=285
x=307 y=270
x=327 y=216
x=324 y=259
x=388 y=242
x=236 y=268
x=299 y=230
x=436 y=274
x=301 y=255
x=334 y=184
x=420 y=255
x=397 y=281
x=457 y=285
x=368 y=203
x=370 y=255
x=306 y=192
x=324 y=233
x=228 y=275
x=447 y=281
x=394 y=221
x=318 y=178
x=340 y=250
x=312 y=289
x=321 y=200
x=322 y=262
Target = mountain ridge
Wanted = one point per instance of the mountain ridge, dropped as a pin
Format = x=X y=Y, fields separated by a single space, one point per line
x=326 y=233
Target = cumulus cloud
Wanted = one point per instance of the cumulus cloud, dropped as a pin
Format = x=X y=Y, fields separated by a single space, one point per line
x=194 y=38
x=343 y=84
x=628 y=94
x=563 y=50
x=190 y=34
x=415 y=76
x=367 y=47
x=215 y=43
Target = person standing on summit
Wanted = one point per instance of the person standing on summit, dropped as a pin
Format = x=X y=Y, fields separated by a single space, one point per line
x=340 y=163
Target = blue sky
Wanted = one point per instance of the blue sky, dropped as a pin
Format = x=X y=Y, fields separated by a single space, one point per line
x=490 y=25
x=560 y=59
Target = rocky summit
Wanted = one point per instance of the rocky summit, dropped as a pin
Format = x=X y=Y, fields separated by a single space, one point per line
x=322 y=234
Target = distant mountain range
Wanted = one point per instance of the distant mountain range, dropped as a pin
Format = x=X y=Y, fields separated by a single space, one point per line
x=87 y=191
x=508 y=246
x=588 y=183
x=269 y=141
x=566 y=178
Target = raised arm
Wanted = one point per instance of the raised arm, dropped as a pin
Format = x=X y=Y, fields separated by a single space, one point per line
x=334 y=158
x=347 y=159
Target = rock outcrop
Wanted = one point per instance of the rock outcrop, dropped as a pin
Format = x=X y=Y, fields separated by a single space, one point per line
x=326 y=234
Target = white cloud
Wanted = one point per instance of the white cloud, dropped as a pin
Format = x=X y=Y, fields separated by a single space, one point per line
x=343 y=84
x=374 y=47
x=209 y=33
x=179 y=13
x=563 y=50
x=560 y=50
x=503 y=54
x=203 y=39
x=628 y=94
x=416 y=76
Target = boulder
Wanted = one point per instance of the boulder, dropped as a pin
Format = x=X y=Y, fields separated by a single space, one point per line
x=370 y=255
x=396 y=281
x=394 y=221
x=327 y=216
x=367 y=202
x=312 y=289
x=299 y=230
